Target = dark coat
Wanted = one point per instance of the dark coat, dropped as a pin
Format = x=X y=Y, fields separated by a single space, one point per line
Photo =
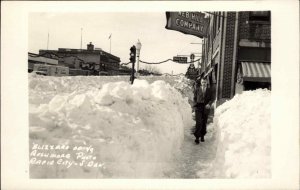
x=207 y=96
x=201 y=112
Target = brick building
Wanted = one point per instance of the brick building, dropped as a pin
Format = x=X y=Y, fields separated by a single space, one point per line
x=96 y=61
x=236 y=55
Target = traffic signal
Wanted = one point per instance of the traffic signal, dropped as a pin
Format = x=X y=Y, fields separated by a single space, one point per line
x=132 y=54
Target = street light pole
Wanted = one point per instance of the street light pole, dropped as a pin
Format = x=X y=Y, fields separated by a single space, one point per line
x=138 y=48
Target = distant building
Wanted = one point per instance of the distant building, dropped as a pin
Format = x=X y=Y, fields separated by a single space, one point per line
x=123 y=70
x=236 y=55
x=51 y=70
x=96 y=61
x=34 y=59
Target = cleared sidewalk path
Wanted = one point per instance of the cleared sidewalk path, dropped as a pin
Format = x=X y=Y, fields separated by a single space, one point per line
x=195 y=160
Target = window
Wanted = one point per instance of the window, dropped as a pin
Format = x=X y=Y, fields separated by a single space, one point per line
x=259 y=16
x=215 y=17
x=219 y=20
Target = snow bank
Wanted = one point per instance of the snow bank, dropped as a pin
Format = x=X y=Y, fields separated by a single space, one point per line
x=244 y=125
x=185 y=87
x=134 y=130
x=43 y=88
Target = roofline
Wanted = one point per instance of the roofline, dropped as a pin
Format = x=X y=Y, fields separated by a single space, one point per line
x=38 y=55
x=80 y=50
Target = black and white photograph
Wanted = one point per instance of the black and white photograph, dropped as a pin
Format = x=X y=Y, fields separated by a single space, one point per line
x=181 y=94
x=122 y=100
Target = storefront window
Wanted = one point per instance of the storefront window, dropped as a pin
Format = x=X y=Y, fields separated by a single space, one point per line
x=259 y=16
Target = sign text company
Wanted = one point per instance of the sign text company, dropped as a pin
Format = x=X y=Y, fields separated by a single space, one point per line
x=193 y=23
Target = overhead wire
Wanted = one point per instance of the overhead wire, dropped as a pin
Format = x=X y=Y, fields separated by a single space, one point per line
x=167 y=61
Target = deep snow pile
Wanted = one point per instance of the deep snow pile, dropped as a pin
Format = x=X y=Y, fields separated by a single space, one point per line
x=244 y=125
x=135 y=130
x=185 y=87
x=43 y=88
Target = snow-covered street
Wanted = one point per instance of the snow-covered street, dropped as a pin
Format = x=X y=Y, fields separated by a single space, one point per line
x=103 y=127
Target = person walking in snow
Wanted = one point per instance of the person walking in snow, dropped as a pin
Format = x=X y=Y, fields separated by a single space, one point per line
x=195 y=87
x=202 y=104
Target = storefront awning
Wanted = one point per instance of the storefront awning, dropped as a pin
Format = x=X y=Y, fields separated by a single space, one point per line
x=256 y=71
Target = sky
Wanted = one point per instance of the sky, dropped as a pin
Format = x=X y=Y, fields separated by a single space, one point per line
x=158 y=43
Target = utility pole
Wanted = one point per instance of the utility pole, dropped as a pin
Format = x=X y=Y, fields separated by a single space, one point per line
x=48 y=41
x=109 y=43
x=81 y=40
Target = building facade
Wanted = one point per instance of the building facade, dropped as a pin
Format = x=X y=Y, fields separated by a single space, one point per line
x=236 y=55
x=96 y=61
x=34 y=59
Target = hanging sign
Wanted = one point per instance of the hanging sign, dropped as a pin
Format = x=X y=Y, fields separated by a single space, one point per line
x=180 y=59
x=193 y=23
